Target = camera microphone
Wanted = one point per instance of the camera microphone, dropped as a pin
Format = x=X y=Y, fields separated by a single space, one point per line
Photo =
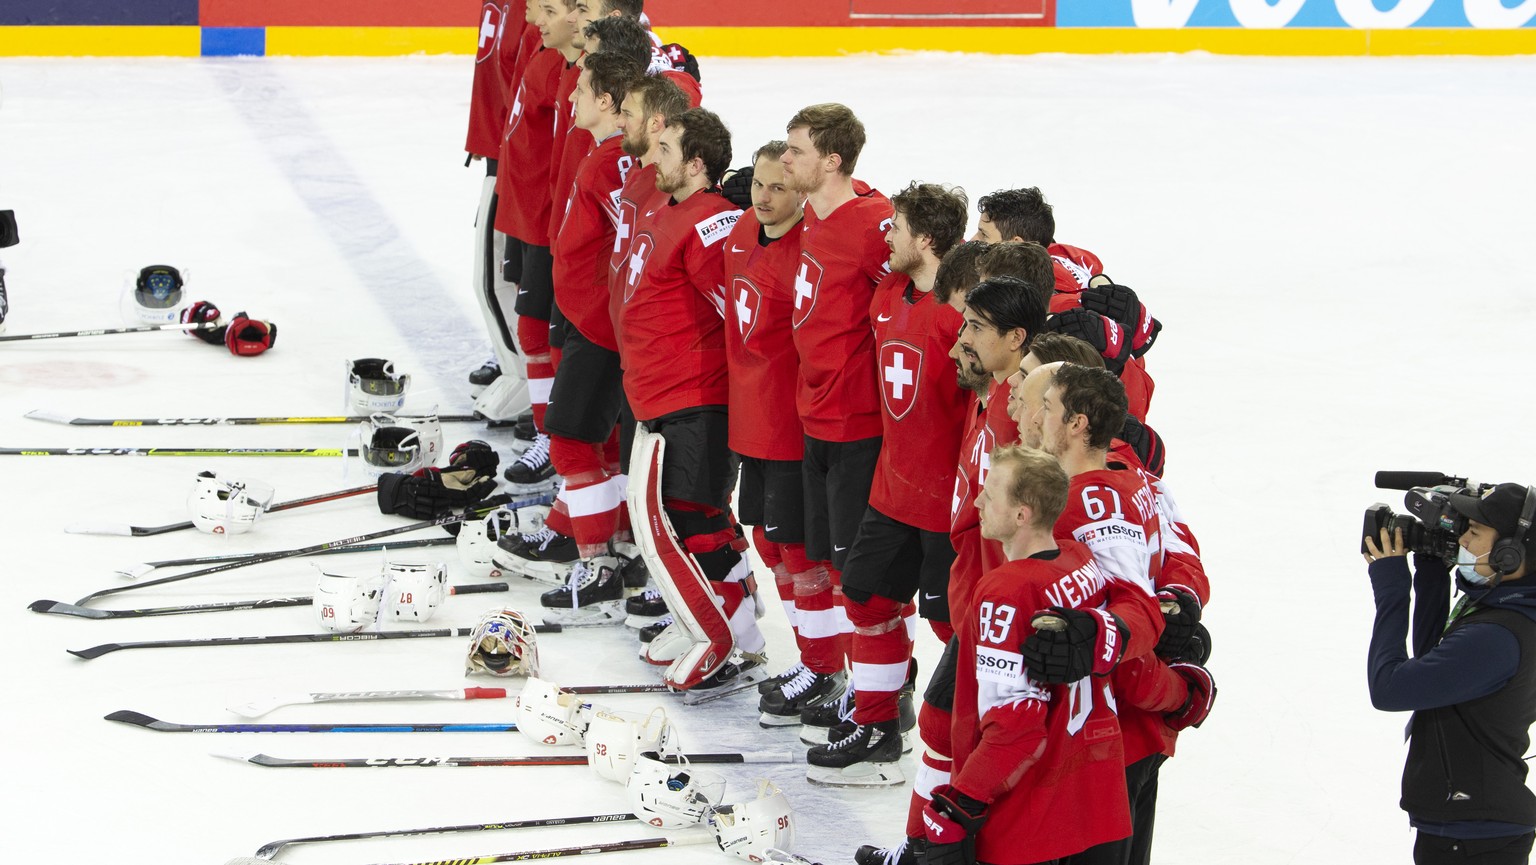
x=1409 y=480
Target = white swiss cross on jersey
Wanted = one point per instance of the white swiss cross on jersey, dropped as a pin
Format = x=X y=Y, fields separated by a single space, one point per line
x=805 y=285
x=901 y=365
x=623 y=227
x=745 y=301
x=490 y=32
x=515 y=113
x=634 y=263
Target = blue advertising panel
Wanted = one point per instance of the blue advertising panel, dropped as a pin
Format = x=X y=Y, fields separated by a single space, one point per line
x=98 y=12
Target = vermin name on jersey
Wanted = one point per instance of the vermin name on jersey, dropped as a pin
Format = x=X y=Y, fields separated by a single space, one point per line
x=715 y=228
x=1072 y=589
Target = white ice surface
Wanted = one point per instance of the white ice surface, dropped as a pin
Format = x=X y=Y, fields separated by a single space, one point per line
x=1340 y=251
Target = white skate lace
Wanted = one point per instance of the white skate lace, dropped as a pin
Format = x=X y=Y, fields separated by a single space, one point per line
x=852 y=739
x=845 y=706
x=893 y=854
x=799 y=683
x=537 y=454
x=651 y=594
x=540 y=538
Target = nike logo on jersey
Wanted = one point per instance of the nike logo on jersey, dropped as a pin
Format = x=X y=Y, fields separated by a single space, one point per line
x=928 y=597
x=770 y=528
x=838 y=549
x=882 y=318
x=738 y=249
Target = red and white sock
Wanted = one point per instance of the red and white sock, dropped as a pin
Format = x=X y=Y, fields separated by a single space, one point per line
x=882 y=650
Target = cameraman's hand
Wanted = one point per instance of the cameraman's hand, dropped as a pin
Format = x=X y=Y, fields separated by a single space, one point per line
x=1389 y=547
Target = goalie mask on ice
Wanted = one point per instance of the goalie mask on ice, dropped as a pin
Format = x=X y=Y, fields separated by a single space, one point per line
x=373 y=385
x=549 y=715
x=348 y=603
x=415 y=590
x=503 y=644
x=155 y=296
x=755 y=830
x=616 y=739
x=672 y=797
x=227 y=506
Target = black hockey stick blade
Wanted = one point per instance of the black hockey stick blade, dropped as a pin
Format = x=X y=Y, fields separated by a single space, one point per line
x=271 y=848
x=106 y=648
x=139 y=719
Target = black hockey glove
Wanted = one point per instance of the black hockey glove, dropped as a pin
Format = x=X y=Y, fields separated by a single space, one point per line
x=247 y=337
x=1121 y=304
x=681 y=60
x=1070 y=644
x=951 y=820
x=477 y=455
x=431 y=493
x=8 y=235
x=1202 y=695
x=1105 y=334
x=737 y=187
x=1145 y=441
x=1181 y=613
x=204 y=312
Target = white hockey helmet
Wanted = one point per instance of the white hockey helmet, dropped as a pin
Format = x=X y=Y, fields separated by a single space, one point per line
x=550 y=716
x=756 y=829
x=415 y=590
x=373 y=385
x=477 y=541
x=388 y=448
x=429 y=432
x=227 y=506
x=155 y=297
x=348 y=603
x=503 y=644
x=672 y=796
x=616 y=739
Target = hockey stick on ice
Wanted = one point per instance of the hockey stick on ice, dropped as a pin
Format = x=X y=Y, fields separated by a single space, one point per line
x=59 y=417
x=139 y=719
x=699 y=837
x=139 y=531
x=105 y=331
x=62 y=609
x=271 y=848
x=258 y=708
x=177 y=452
x=270 y=762
x=95 y=652
x=133 y=572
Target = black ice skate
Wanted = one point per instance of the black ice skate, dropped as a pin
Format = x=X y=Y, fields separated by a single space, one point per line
x=772 y=682
x=545 y=555
x=818 y=722
x=781 y=706
x=908 y=852
x=533 y=472
x=487 y=373
x=865 y=756
x=592 y=595
x=744 y=670
x=645 y=609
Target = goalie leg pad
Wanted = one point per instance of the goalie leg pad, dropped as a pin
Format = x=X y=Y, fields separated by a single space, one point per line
x=699 y=616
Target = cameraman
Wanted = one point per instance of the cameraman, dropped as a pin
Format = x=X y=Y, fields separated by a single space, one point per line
x=1471 y=683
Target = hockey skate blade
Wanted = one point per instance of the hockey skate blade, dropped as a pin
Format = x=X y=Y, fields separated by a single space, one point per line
x=605 y=613
x=638 y=622
x=549 y=573
x=542 y=488
x=49 y=416
x=774 y=722
x=857 y=775
x=133 y=572
x=745 y=681
x=120 y=529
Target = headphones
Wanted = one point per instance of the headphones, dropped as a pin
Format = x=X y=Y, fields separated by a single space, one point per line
x=1508 y=554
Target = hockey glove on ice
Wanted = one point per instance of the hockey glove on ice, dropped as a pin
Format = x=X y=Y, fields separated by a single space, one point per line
x=1121 y=304
x=204 y=312
x=477 y=455
x=1202 y=694
x=1181 y=613
x=247 y=337
x=1070 y=644
x=1106 y=336
x=431 y=493
x=951 y=820
x=737 y=187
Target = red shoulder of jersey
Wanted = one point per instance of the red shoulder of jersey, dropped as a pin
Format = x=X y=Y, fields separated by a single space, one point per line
x=760 y=348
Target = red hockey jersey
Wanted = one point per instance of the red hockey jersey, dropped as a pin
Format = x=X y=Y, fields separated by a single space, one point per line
x=1047 y=758
x=639 y=199
x=571 y=144
x=842 y=258
x=988 y=427
x=488 y=92
x=1115 y=514
x=922 y=406
x=582 y=245
x=759 y=345
x=522 y=172
x=673 y=312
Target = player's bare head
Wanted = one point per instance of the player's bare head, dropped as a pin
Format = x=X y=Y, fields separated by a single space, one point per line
x=1021 y=259
x=823 y=139
x=626 y=8
x=1036 y=481
x=1051 y=347
x=647 y=105
x=556 y=23
x=1027 y=398
x=934 y=211
x=1094 y=394
x=1016 y=213
x=619 y=35
x=530 y=11
x=968 y=375
x=957 y=273
x=772 y=199
x=703 y=144
x=1008 y=304
x=605 y=78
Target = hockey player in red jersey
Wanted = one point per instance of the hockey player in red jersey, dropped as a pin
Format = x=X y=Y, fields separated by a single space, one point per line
x=1037 y=774
x=1116 y=512
x=682 y=472
x=902 y=549
x=761 y=255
